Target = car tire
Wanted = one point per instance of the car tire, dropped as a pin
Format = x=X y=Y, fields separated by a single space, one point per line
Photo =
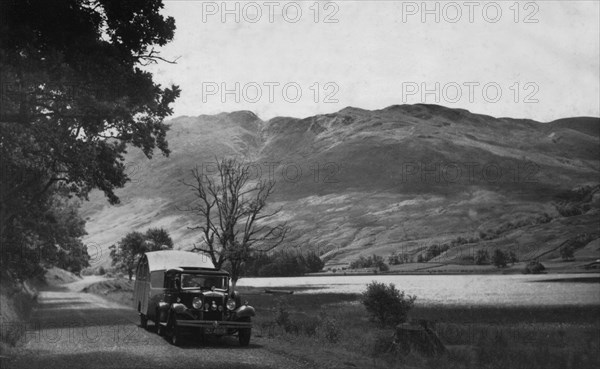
x=160 y=329
x=174 y=332
x=244 y=334
x=143 y=321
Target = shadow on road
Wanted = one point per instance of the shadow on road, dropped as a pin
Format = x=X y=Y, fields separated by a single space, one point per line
x=193 y=341
x=121 y=360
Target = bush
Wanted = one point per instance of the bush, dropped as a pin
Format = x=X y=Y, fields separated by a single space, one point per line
x=282 y=315
x=373 y=261
x=386 y=304
x=309 y=326
x=282 y=264
x=101 y=271
x=512 y=257
x=328 y=328
x=382 y=343
x=499 y=259
x=468 y=259
x=435 y=250
x=534 y=267
x=481 y=257
x=398 y=258
x=567 y=253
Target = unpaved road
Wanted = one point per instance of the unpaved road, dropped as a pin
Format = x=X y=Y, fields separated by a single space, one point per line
x=71 y=329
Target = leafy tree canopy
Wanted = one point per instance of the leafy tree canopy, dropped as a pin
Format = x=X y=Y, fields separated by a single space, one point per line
x=74 y=96
x=127 y=252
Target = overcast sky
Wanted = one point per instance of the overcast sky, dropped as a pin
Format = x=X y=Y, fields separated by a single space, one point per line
x=538 y=60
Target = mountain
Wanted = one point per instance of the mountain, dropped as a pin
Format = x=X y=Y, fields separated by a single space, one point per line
x=358 y=182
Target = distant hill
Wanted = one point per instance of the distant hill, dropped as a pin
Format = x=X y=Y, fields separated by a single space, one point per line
x=358 y=182
x=587 y=125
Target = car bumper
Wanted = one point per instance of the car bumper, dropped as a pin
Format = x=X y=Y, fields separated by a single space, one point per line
x=213 y=324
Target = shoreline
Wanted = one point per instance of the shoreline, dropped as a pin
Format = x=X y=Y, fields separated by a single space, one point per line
x=441 y=272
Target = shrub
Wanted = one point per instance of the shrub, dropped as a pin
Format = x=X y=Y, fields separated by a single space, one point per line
x=282 y=315
x=268 y=270
x=398 y=258
x=512 y=257
x=569 y=209
x=435 y=250
x=567 y=253
x=373 y=261
x=386 y=304
x=328 y=328
x=382 y=343
x=283 y=264
x=534 y=267
x=313 y=263
x=468 y=259
x=499 y=259
x=101 y=271
x=481 y=257
x=309 y=326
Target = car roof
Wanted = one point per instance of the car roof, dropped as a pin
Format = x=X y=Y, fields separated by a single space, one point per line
x=170 y=259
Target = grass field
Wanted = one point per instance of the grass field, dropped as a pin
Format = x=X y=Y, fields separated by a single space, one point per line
x=333 y=330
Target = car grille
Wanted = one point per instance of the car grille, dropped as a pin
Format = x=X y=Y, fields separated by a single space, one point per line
x=214 y=314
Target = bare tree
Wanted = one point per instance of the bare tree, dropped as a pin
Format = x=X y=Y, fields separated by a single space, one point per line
x=233 y=217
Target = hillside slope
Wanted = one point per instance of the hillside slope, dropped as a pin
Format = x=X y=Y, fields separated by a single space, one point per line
x=358 y=182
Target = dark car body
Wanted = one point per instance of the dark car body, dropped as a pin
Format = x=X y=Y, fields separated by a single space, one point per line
x=181 y=292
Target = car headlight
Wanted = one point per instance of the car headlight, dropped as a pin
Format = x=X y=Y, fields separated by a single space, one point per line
x=197 y=303
x=230 y=304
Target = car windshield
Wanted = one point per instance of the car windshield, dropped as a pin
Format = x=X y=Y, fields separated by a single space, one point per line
x=189 y=281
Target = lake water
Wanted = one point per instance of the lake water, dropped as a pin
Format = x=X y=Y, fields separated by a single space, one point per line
x=515 y=289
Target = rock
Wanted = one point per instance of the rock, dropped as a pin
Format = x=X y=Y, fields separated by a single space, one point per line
x=418 y=336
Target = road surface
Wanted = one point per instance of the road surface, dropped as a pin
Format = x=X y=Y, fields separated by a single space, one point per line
x=72 y=329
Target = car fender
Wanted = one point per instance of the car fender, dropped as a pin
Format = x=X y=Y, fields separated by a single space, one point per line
x=244 y=311
x=179 y=308
x=163 y=306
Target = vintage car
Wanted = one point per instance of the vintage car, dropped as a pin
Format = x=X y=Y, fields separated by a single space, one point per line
x=182 y=292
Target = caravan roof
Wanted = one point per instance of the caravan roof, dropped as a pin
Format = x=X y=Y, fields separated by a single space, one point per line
x=169 y=259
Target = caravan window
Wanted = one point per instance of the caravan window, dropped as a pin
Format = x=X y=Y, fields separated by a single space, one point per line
x=157 y=279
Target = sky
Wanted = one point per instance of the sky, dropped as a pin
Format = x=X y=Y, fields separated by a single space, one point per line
x=526 y=59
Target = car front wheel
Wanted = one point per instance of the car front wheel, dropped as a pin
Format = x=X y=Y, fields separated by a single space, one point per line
x=244 y=334
x=160 y=329
x=174 y=332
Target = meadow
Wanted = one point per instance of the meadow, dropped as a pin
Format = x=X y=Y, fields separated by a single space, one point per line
x=334 y=330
